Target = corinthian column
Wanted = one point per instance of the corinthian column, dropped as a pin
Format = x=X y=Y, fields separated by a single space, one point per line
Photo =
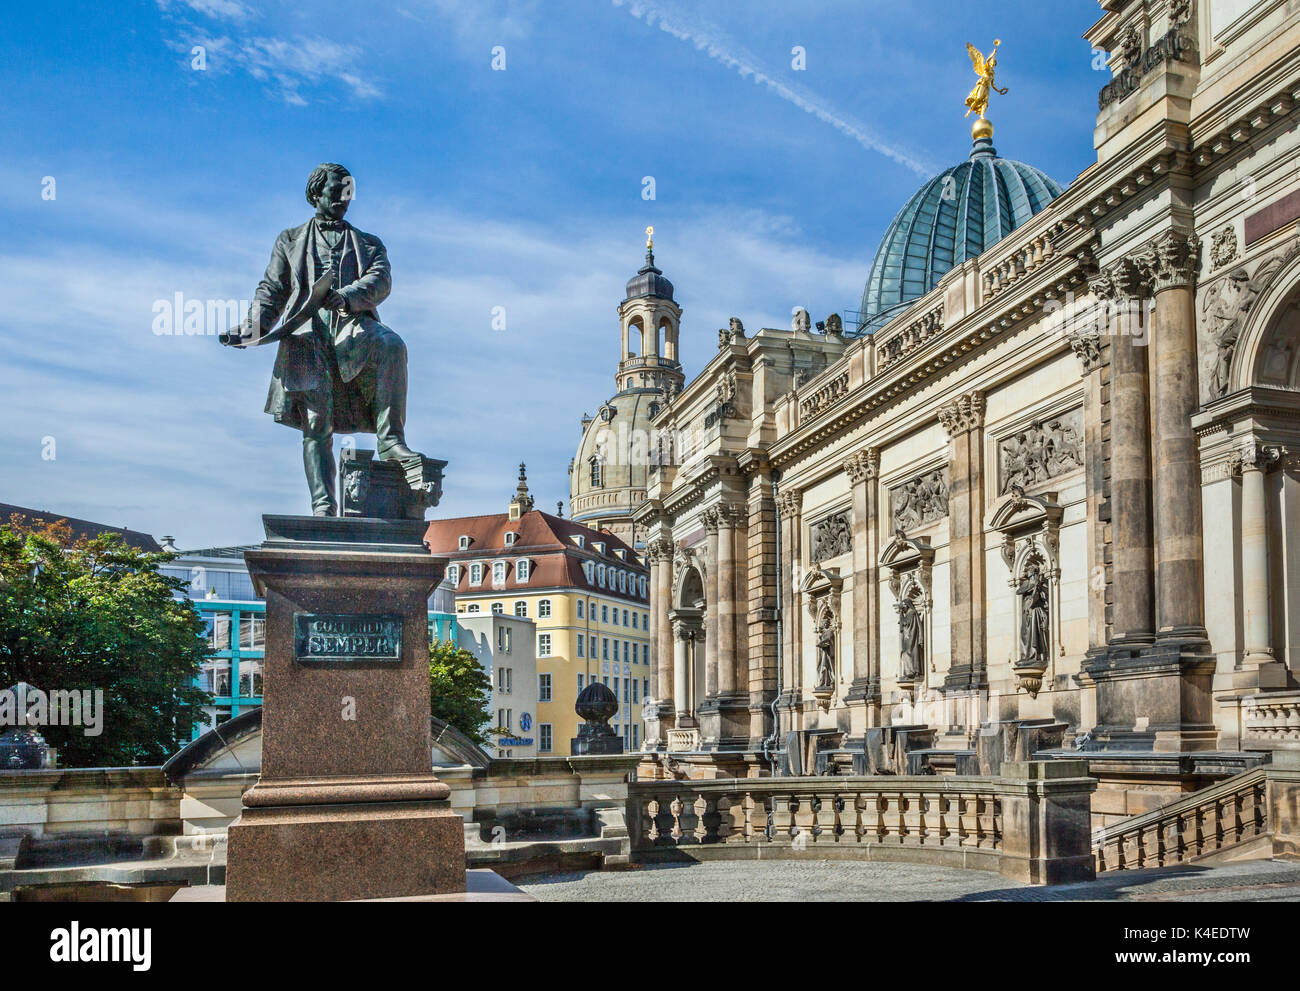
x=789 y=505
x=863 y=698
x=712 y=622
x=1132 y=567
x=659 y=555
x=681 y=670
x=1255 y=460
x=963 y=418
x=1180 y=606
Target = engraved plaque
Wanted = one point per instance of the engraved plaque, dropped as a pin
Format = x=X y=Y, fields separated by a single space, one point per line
x=336 y=638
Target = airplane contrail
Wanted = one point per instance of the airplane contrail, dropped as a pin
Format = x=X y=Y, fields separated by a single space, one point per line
x=721 y=49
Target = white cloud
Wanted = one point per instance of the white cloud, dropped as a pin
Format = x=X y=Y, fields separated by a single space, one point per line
x=717 y=46
x=167 y=434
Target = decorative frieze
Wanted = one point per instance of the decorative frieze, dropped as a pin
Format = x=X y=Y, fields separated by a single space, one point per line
x=789 y=503
x=830 y=538
x=1223 y=247
x=922 y=500
x=1043 y=450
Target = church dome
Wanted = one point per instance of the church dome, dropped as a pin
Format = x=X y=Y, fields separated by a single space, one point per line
x=958 y=214
x=649 y=281
x=611 y=469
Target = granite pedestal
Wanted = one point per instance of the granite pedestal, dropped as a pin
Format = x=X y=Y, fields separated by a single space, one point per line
x=347 y=806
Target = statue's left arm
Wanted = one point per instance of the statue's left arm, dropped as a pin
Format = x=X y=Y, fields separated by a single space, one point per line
x=375 y=282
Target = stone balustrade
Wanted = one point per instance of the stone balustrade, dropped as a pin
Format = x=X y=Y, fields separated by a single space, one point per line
x=826 y=395
x=951 y=821
x=902 y=342
x=1259 y=808
x=1272 y=719
x=1021 y=261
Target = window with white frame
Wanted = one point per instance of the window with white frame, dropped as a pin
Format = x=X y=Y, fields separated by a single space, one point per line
x=636 y=691
x=643 y=586
x=600 y=575
x=582 y=644
x=625 y=617
x=634 y=621
x=589 y=569
x=543 y=688
x=581 y=609
x=463 y=543
x=544 y=609
x=453 y=574
x=498 y=608
x=473 y=608
x=545 y=738
x=523 y=569
x=543 y=645
x=521 y=608
x=476 y=574
x=593 y=646
x=581 y=679
x=511 y=537
x=498 y=572
x=622 y=581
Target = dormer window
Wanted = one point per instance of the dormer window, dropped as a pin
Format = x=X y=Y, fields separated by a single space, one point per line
x=622 y=581
x=579 y=539
x=463 y=543
x=476 y=574
x=622 y=553
x=511 y=537
x=590 y=570
x=599 y=546
x=643 y=583
x=453 y=574
x=523 y=569
x=498 y=572
x=600 y=575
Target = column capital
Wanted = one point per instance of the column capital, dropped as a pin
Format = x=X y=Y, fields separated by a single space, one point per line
x=1253 y=456
x=732 y=514
x=682 y=630
x=1087 y=347
x=659 y=550
x=862 y=465
x=963 y=414
x=790 y=503
x=1173 y=258
x=1126 y=278
x=711 y=518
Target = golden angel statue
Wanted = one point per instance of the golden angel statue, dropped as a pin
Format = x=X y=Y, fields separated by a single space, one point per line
x=978 y=101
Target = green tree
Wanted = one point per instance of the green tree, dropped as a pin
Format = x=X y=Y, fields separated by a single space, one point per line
x=459 y=690
x=97 y=614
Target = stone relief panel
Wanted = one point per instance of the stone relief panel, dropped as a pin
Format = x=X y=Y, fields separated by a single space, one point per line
x=830 y=538
x=922 y=500
x=1222 y=313
x=1043 y=450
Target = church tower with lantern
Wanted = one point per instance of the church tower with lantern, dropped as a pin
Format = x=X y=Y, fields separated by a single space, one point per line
x=607 y=477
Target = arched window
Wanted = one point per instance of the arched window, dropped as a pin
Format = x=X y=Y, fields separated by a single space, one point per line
x=521 y=608
x=498 y=608
x=544 y=609
x=523 y=568
x=597 y=471
x=473 y=608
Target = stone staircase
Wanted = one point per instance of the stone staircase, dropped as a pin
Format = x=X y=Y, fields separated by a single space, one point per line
x=1252 y=815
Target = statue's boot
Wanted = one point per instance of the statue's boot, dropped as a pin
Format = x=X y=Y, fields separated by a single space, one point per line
x=390 y=400
x=318 y=460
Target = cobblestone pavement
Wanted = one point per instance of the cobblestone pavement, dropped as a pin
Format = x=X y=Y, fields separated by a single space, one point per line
x=810 y=880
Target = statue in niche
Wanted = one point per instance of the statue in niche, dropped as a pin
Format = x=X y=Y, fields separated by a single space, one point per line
x=825 y=652
x=1033 y=617
x=911 y=637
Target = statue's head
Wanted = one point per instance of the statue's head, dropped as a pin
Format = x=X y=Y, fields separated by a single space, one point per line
x=330 y=189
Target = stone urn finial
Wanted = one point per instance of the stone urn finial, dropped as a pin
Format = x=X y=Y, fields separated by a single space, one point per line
x=596 y=704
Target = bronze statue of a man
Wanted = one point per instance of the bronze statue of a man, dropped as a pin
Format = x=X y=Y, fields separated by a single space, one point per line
x=338 y=367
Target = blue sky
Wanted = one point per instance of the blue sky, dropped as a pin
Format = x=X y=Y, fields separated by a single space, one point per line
x=519 y=188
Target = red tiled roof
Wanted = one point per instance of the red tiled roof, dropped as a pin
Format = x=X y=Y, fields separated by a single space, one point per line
x=544 y=539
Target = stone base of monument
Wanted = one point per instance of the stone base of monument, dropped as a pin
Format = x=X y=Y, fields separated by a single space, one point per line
x=347 y=806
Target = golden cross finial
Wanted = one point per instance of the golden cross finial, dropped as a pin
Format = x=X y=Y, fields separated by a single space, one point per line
x=649 y=238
